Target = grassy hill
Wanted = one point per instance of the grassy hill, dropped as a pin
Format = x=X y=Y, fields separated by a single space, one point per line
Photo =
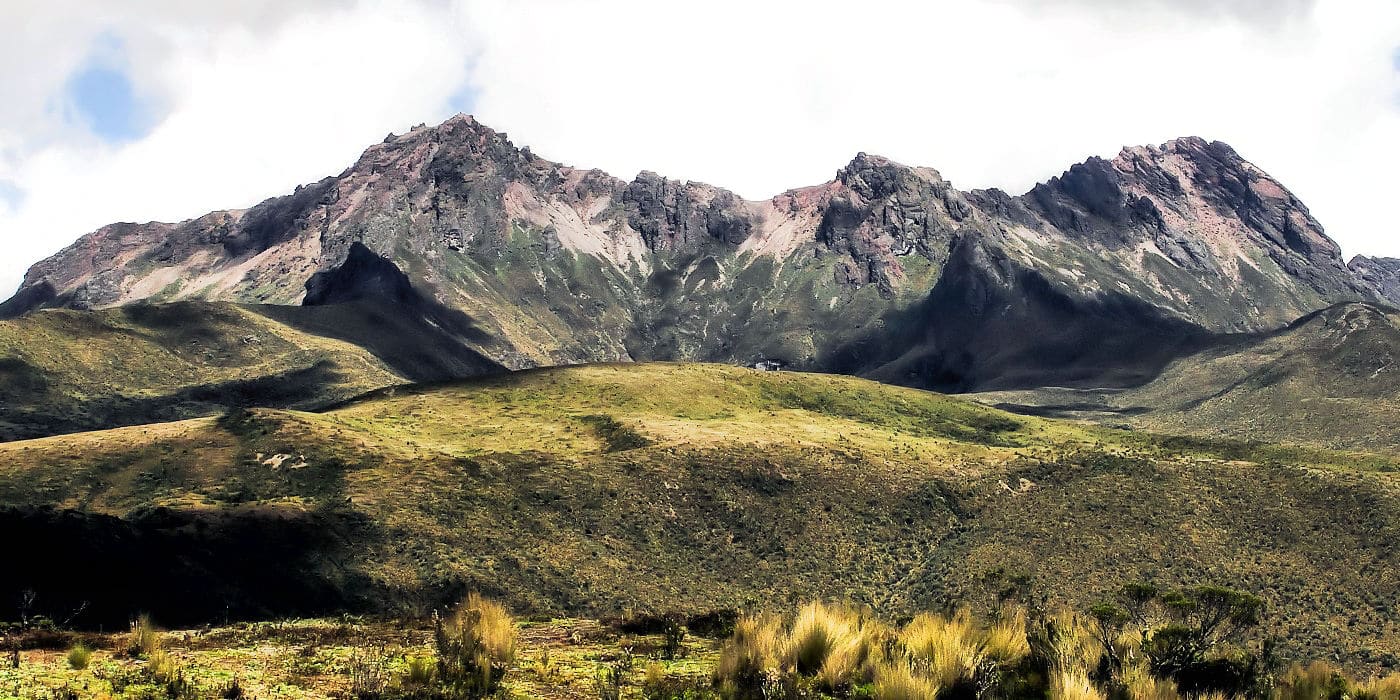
x=1330 y=379
x=65 y=371
x=604 y=489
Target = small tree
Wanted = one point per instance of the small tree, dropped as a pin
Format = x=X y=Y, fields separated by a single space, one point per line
x=1199 y=621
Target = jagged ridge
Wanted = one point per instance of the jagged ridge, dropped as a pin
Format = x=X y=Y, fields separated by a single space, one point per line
x=555 y=264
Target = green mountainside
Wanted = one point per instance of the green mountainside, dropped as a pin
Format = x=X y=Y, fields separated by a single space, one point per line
x=65 y=371
x=598 y=489
x=1329 y=379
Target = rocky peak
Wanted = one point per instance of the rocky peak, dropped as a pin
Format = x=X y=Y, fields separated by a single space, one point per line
x=1380 y=274
x=875 y=177
x=673 y=215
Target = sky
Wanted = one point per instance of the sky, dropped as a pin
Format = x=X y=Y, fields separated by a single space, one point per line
x=165 y=109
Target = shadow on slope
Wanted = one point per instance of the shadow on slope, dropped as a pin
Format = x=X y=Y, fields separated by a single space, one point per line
x=368 y=301
x=990 y=323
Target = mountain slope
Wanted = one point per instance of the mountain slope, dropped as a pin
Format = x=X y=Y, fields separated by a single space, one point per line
x=651 y=487
x=1329 y=379
x=65 y=371
x=555 y=265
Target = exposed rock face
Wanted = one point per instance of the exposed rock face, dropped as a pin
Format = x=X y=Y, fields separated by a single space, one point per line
x=1381 y=274
x=886 y=270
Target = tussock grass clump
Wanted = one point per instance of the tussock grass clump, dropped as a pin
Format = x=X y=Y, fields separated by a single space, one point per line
x=751 y=655
x=475 y=647
x=900 y=681
x=1073 y=685
x=832 y=643
x=1387 y=688
x=847 y=652
x=420 y=672
x=951 y=648
x=1321 y=680
x=144 y=639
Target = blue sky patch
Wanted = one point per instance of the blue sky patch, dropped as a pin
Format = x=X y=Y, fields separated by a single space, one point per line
x=463 y=100
x=11 y=196
x=102 y=97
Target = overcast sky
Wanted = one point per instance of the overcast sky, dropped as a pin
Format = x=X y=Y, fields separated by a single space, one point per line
x=165 y=109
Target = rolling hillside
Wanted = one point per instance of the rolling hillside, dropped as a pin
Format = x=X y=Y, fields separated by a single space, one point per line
x=64 y=371
x=601 y=489
x=1329 y=379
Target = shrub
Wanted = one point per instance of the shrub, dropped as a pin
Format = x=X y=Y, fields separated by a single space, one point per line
x=475 y=647
x=232 y=690
x=608 y=683
x=79 y=656
x=673 y=637
x=369 y=676
x=716 y=624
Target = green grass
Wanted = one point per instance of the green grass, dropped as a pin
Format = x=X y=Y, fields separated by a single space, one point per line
x=597 y=490
x=64 y=371
x=1330 y=382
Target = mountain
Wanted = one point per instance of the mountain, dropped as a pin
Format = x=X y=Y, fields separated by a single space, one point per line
x=1098 y=277
x=1329 y=379
x=654 y=487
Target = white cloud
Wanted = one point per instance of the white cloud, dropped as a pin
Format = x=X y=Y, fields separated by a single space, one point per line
x=757 y=97
x=253 y=102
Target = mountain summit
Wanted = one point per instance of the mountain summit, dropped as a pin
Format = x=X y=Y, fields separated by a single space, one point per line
x=886 y=271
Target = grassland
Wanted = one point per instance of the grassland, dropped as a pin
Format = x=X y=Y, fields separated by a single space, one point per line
x=1329 y=380
x=598 y=490
x=316 y=659
x=66 y=371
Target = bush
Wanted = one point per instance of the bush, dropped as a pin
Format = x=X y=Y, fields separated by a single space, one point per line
x=716 y=624
x=475 y=647
x=673 y=637
x=608 y=683
x=369 y=676
x=79 y=656
x=232 y=690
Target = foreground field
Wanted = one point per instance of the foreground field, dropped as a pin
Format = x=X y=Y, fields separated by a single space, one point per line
x=315 y=659
x=591 y=491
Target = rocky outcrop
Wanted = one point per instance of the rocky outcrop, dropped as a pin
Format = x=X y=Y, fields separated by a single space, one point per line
x=1380 y=274
x=555 y=264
